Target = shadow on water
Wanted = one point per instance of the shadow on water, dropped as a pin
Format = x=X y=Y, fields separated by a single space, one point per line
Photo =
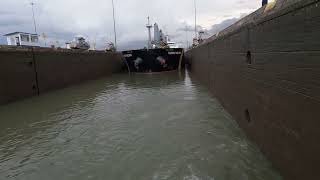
x=154 y=80
x=22 y=114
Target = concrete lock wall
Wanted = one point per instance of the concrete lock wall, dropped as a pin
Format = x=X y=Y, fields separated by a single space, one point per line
x=26 y=71
x=58 y=70
x=265 y=70
x=17 y=76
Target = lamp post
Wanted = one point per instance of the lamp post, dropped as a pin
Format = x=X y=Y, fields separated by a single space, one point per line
x=34 y=19
x=114 y=26
x=44 y=36
x=195 y=19
x=187 y=41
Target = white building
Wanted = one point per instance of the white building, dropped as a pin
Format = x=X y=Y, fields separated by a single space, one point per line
x=22 y=39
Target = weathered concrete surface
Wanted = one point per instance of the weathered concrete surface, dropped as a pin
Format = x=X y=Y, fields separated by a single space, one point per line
x=265 y=70
x=17 y=75
x=57 y=70
x=26 y=71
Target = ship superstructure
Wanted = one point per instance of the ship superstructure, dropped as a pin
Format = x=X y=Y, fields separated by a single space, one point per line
x=160 y=40
x=79 y=42
x=161 y=54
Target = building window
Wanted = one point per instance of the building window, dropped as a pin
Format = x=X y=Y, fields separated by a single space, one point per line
x=25 y=38
x=34 y=39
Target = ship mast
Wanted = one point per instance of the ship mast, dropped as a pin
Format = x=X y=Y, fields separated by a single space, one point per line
x=34 y=19
x=149 y=26
x=114 y=26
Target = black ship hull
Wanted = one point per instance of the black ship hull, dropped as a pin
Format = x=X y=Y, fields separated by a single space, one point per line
x=154 y=60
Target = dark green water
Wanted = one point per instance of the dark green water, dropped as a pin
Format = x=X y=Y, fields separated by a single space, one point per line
x=143 y=127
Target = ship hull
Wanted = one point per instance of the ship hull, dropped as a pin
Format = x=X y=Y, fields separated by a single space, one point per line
x=153 y=60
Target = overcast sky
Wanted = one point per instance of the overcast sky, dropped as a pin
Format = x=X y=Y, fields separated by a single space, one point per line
x=61 y=20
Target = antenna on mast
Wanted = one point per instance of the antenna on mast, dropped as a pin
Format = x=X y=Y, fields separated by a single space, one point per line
x=34 y=19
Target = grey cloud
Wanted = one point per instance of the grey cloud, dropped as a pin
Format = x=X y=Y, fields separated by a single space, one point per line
x=4 y=12
x=61 y=20
x=134 y=45
x=224 y=24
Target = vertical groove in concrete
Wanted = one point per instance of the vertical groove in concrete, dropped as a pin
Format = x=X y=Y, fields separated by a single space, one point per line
x=35 y=71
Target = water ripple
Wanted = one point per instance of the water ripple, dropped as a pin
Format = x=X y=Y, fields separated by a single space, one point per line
x=163 y=126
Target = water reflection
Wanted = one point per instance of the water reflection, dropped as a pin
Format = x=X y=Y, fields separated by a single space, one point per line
x=144 y=126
